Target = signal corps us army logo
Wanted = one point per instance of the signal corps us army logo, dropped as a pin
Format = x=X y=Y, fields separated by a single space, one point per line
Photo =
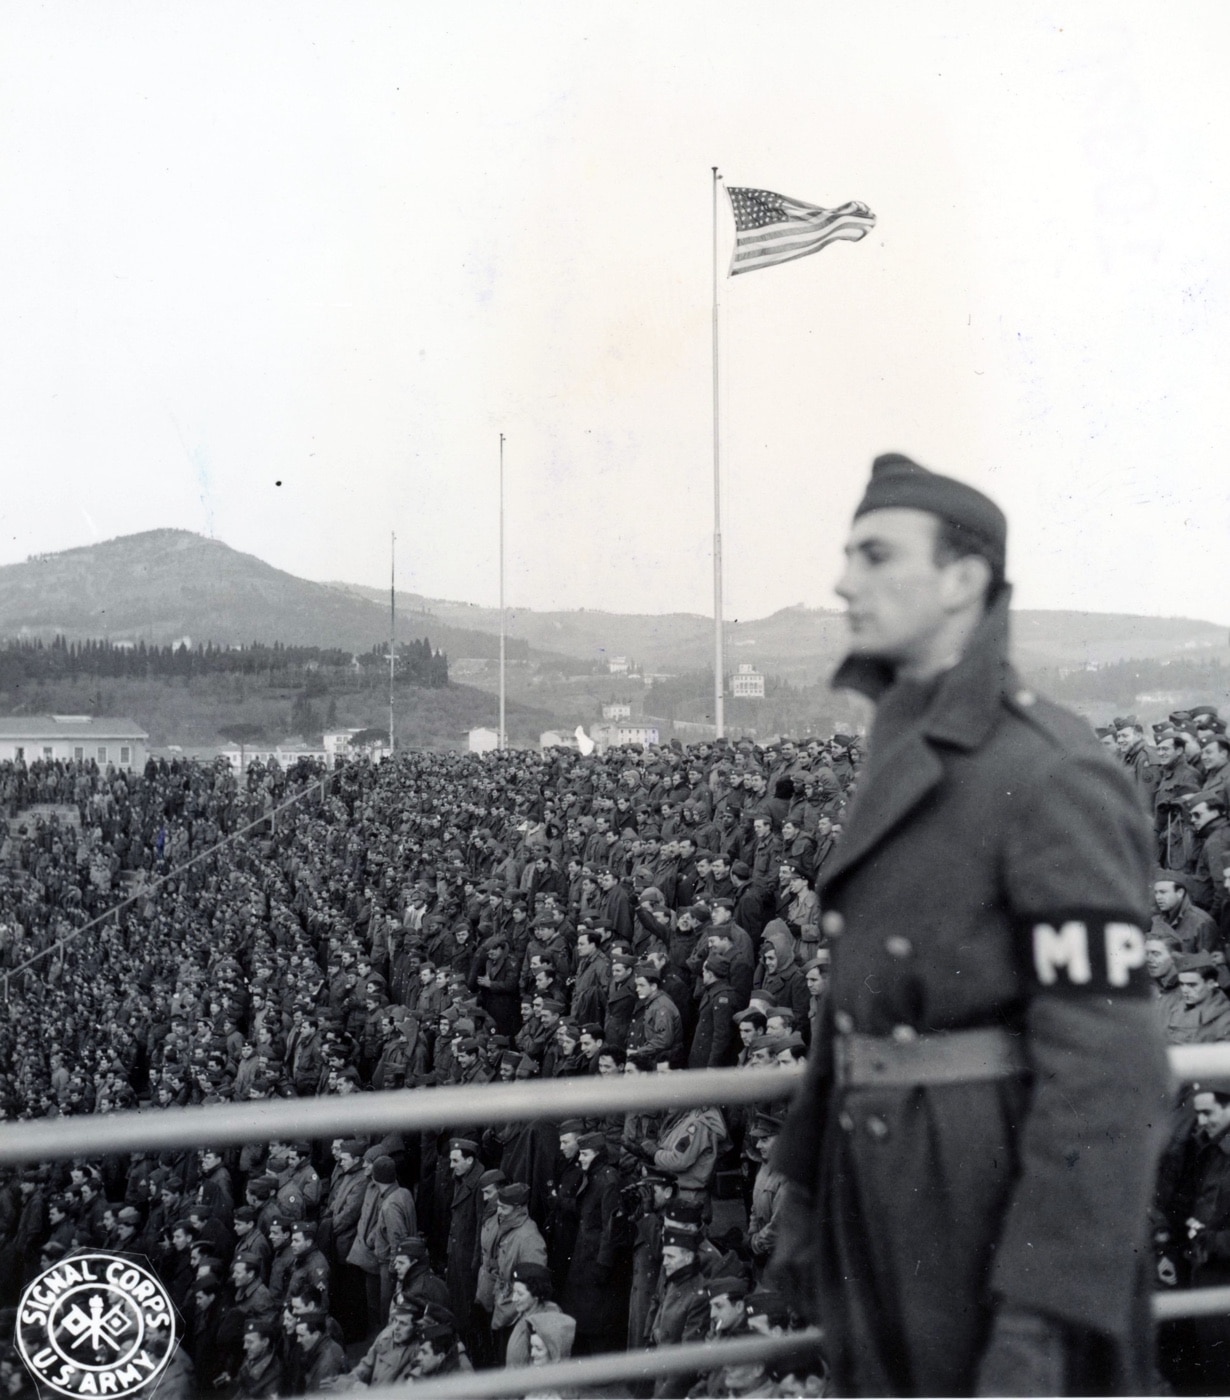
x=95 y=1324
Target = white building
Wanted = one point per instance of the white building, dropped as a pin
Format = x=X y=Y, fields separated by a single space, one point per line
x=747 y=683
x=617 y=665
x=617 y=710
x=611 y=734
x=116 y=741
x=483 y=740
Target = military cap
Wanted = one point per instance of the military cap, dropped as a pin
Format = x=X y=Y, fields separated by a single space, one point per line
x=718 y=964
x=1207 y=710
x=531 y=1274
x=438 y=1334
x=315 y=1318
x=468 y=1045
x=412 y=1247
x=352 y=1147
x=1174 y=877
x=306 y=1228
x=248 y=1213
x=650 y=971
x=688 y=1215
x=766 y=1302
x=591 y=1142
x=731 y=1286
x=822 y=960
x=466 y=1145
x=129 y=1215
x=552 y=1004
x=516 y=1193
x=765 y=1125
x=283 y=1222
x=741 y=870
x=764 y=1041
x=1195 y=962
x=657 y=1178
x=572 y=1125
x=494 y=1177
x=384 y=1170
x=680 y=1239
x=722 y=903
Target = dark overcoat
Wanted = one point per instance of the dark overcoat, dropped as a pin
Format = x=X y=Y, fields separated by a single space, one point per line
x=993 y=873
x=592 y=1293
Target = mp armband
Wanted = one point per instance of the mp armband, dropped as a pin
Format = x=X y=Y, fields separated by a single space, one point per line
x=1084 y=952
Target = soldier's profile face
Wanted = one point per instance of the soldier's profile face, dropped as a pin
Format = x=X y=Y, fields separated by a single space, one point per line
x=894 y=590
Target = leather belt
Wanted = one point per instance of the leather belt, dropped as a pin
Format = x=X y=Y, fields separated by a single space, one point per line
x=945 y=1057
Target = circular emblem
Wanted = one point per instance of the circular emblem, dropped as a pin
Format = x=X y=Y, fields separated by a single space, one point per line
x=96 y=1324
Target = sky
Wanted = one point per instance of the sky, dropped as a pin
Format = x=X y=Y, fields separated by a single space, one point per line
x=283 y=273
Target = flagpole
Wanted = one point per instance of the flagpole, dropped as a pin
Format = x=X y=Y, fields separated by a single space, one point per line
x=719 y=699
x=503 y=739
x=392 y=630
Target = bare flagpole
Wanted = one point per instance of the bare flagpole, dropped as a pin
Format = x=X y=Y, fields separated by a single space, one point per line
x=392 y=630
x=503 y=739
x=719 y=666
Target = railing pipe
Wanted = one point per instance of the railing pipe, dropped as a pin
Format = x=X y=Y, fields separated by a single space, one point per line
x=395 y=1110
x=600 y=1370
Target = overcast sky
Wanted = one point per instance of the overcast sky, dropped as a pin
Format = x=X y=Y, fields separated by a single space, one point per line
x=282 y=273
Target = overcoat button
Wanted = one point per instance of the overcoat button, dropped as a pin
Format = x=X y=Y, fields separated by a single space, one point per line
x=898 y=946
x=878 y=1128
x=843 y=1021
x=833 y=924
x=847 y=1123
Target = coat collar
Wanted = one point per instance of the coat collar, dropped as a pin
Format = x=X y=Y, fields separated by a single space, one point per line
x=967 y=698
x=960 y=715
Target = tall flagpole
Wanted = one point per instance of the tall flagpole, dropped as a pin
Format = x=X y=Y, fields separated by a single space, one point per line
x=503 y=739
x=719 y=698
x=392 y=631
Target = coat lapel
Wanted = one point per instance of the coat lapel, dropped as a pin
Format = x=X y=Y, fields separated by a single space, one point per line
x=960 y=716
x=899 y=787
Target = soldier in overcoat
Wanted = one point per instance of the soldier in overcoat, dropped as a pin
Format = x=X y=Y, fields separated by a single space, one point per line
x=972 y=1151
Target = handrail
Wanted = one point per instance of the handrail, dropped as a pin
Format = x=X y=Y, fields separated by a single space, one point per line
x=609 y=1366
x=320 y=784
x=416 y=1110
x=388 y=1111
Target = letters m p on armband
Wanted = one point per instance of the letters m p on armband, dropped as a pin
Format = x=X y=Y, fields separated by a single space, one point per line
x=1085 y=952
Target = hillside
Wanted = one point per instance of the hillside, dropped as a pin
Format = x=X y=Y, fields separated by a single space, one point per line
x=163 y=585
x=803 y=644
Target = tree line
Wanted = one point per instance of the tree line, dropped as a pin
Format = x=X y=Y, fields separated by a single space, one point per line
x=26 y=661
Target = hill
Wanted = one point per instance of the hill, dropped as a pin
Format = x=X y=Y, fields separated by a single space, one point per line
x=802 y=644
x=163 y=585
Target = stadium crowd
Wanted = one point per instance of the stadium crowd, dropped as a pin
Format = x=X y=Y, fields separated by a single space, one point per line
x=456 y=919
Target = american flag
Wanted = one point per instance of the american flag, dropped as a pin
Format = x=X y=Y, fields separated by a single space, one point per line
x=773 y=228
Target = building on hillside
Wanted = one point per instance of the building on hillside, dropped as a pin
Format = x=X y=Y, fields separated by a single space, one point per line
x=611 y=734
x=747 y=683
x=618 y=666
x=482 y=740
x=617 y=710
x=27 y=738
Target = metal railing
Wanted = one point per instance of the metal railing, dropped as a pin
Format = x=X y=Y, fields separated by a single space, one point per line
x=318 y=786
x=426 y=1109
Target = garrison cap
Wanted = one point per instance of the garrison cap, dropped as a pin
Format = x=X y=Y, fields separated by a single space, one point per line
x=897 y=482
x=730 y=1287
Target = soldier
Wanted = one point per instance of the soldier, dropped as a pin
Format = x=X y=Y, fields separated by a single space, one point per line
x=972 y=1151
x=681 y=1308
